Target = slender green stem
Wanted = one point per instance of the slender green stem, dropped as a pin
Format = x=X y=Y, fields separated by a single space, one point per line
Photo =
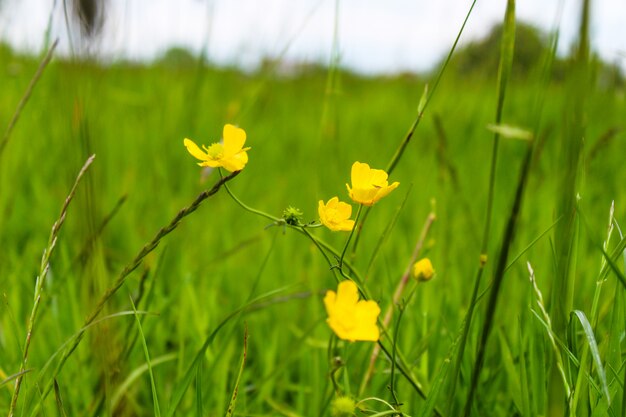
x=345 y=247
x=246 y=207
x=389 y=413
x=397 y=296
x=319 y=247
x=392 y=382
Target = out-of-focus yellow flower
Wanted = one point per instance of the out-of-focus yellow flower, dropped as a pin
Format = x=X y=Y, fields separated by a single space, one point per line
x=230 y=154
x=423 y=270
x=336 y=215
x=368 y=185
x=350 y=318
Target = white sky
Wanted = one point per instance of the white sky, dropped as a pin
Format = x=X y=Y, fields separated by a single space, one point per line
x=374 y=35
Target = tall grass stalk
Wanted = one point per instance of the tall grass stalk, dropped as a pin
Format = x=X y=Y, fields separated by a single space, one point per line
x=507 y=48
x=421 y=108
x=147 y=249
x=44 y=268
x=507 y=241
x=569 y=168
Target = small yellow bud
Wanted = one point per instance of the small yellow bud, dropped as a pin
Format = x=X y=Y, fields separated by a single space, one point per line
x=423 y=270
x=483 y=259
x=342 y=407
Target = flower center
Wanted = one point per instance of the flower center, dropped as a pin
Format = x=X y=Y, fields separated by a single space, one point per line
x=215 y=151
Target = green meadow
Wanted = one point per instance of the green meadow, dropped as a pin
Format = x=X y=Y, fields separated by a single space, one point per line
x=129 y=319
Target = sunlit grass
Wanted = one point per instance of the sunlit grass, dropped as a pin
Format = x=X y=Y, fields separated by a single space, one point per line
x=232 y=262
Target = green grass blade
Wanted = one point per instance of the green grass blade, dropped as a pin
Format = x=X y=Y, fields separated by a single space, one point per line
x=199 y=399
x=595 y=353
x=155 y=398
x=59 y=400
x=498 y=277
x=14 y=376
x=136 y=374
x=507 y=47
x=233 y=399
x=183 y=384
x=431 y=399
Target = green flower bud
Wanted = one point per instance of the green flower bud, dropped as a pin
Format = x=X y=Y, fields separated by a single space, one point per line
x=292 y=215
x=342 y=407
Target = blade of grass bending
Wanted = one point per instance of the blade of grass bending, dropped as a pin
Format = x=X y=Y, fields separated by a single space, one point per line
x=58 y=399
x=233 y=399
x=498 y=278
x=41 y=278
x=595 y=354
x=199 y=399
x=507 y=49
x=531 y=244
x=433 y=394
x=155 y=398
x=423 y=104
x=64 y=345
x=135 y=374
x=26 y=96
x=147 y=249
x=187 y=378
x=14 y=376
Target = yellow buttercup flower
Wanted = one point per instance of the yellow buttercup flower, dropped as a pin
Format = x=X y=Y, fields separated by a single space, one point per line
x=368 y=185
x=336 y=215
x=423 y=270
x=350 y=318
x=230 y=154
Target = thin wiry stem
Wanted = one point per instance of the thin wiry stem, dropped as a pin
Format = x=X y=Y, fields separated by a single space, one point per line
x=398 y=294
x=41 y=278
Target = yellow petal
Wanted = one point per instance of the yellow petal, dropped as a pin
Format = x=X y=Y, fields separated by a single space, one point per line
x=345 y=226
x=344 y=210
x=234 y=139
x=360 y=175
x=347 y=293
x=194 y=150
x=382 y=192
x=235 y=162
x=378 y=177
x=329 y=302
x=364 y=196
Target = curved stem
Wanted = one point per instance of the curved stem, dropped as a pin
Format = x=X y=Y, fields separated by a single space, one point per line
x=245 y=206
